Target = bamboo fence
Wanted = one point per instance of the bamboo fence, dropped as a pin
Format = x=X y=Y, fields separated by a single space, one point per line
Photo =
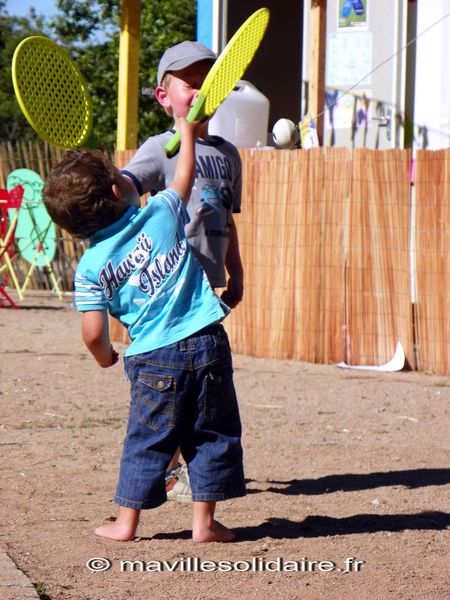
x=378 y=311
x=343 y=258
x=432 y=260
x=325 y=244
x=335 y=239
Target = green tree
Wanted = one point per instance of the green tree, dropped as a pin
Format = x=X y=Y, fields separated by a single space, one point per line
x=163 y=24
x=89 y=31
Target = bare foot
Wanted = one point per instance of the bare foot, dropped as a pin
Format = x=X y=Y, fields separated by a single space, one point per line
x=214 y=533
x=123 y=529
x=113 y=531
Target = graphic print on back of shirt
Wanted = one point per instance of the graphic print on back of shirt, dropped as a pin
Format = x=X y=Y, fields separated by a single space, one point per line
x=138 y=271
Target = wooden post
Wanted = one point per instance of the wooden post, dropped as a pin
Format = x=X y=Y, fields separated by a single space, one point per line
x=316 y=62
x=128 y=94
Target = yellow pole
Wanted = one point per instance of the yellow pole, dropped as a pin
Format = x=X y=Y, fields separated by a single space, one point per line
x=128 y=94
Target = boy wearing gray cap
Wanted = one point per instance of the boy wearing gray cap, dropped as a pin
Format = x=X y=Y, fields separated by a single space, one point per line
x=216 y=193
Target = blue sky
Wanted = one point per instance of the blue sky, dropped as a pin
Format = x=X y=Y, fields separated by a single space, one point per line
x=20 y=8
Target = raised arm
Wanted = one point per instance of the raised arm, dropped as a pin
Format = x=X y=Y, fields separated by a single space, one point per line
x=185 y=170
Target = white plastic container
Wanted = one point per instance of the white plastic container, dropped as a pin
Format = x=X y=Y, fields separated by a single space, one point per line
x=243 y=118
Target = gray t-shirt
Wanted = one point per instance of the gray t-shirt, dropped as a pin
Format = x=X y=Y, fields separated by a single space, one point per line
x=215 y=195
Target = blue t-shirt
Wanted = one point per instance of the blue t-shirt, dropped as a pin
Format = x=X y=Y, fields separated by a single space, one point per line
x=142 y=271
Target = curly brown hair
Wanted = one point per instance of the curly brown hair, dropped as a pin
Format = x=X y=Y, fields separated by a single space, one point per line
x=78 y=192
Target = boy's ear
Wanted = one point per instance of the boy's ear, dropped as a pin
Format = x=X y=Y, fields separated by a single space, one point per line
x=116 y=191
x=161 y=96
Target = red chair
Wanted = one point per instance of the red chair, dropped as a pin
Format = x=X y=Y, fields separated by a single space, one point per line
x=11 y=199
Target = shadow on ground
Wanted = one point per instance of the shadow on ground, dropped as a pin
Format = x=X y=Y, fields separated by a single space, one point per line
x=320 y=526
x=350 y=482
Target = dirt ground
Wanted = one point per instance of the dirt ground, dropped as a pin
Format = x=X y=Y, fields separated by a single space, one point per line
x=342 y=466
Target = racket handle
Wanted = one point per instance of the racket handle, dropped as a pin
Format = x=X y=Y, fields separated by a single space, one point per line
x=173 y=144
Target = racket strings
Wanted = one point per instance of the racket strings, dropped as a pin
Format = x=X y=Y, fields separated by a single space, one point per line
x=55 y=99
x=242 y=48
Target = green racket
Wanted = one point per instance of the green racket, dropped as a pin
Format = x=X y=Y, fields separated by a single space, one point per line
x=226 y=71
x=51 y=92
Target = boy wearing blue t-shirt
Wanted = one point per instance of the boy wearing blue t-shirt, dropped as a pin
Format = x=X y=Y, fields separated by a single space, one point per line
x=139 y=268
x=215 y=196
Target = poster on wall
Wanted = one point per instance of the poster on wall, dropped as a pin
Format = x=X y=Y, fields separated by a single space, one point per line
x=352 y=14
x=349 y=59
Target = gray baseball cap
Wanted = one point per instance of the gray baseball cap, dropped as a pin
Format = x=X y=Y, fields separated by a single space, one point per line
x=181 y=56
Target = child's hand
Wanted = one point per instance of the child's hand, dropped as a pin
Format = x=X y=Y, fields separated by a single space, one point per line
x=110 y=360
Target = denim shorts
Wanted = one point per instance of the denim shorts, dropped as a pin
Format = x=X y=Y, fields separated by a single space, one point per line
x=183 y=396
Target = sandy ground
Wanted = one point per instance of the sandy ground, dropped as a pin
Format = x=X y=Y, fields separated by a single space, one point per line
x=342 y=466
